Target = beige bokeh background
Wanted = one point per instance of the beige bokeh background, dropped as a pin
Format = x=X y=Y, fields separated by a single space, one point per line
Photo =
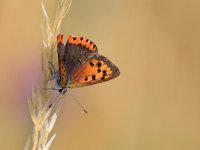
x=153 y=105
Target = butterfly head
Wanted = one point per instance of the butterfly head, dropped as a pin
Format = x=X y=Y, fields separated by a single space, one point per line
x=63 y=91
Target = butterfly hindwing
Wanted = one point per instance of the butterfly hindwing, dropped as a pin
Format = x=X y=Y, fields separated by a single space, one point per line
x=63 y=74
x=95 y=70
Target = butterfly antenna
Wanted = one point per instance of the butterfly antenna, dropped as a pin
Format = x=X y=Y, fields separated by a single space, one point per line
x=54 y=98
x=78 y=103
x=54 y=101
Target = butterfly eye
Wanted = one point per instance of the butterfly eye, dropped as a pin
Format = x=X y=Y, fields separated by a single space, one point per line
x=62 y=91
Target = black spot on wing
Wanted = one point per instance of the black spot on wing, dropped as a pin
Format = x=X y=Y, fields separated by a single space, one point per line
x=99 y=64
x=104 y=73
x=91 y=64
x=99 y=70
x=93 y=77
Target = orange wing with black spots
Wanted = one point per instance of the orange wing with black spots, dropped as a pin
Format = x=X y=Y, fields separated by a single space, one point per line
x=78 y=50
x=81 y=65
x=95 y=70
x=72 y=55
x=84 y=42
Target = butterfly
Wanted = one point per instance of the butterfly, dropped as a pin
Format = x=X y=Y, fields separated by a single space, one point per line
x=79 y=64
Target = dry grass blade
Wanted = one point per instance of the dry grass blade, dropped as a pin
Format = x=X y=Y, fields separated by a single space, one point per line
x=61 y=12
x=49 y=142
x=43 y=116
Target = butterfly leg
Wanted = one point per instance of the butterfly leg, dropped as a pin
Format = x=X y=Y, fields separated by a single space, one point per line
x=53 y=72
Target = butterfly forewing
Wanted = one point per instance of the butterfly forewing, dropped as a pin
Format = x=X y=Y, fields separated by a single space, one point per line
x=78 y=50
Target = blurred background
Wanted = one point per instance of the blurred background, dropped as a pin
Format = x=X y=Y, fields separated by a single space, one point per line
x=154 y=103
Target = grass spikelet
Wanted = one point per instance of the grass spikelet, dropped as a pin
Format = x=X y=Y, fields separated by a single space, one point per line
x=43 y=116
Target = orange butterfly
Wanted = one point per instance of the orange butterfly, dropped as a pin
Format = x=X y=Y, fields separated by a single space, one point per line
x=81 y=65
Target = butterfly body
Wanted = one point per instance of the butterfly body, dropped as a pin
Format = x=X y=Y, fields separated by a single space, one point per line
x=81 y=65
